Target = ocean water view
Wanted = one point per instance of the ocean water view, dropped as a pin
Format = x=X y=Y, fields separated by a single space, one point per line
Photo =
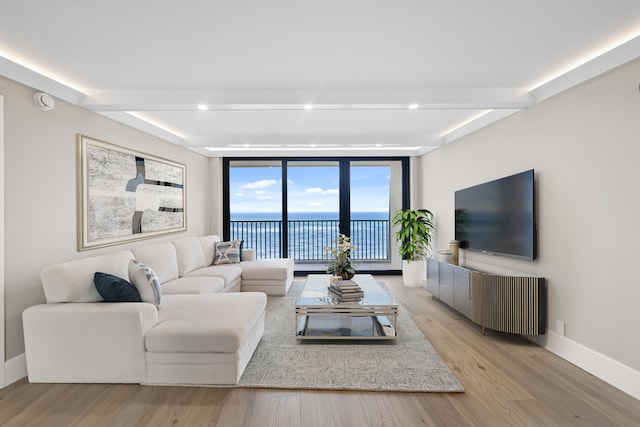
x=310 y=232
x=276 y=216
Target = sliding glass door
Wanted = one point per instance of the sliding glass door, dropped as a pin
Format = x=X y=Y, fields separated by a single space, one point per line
x=255 y=205
x=375 y=193
x=297 y=207
x=313 y=208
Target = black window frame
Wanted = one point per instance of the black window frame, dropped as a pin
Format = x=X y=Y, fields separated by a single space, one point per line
x=345 y=187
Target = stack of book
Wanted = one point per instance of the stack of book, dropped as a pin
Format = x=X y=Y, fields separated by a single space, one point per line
x=346 y=290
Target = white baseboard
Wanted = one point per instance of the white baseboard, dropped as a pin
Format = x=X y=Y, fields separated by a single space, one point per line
x=599 y=365
x=15 y=369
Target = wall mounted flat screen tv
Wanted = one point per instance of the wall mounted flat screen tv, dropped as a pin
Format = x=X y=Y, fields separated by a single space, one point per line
x=498 y=217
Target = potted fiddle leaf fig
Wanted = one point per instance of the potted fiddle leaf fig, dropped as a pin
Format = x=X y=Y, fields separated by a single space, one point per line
x=414 y=235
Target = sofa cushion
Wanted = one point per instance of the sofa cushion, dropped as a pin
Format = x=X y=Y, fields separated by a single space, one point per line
x=161 y=258
x=248 y=254
x=193 y=285
x=227 y=252
x=115 y=289
x=146 y=282
x=229 y=272
x=190 y=255
x=72 y=281
x=267 y=269
x=208 y=247
x=217 y=323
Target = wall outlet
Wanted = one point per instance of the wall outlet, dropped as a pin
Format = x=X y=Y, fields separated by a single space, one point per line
x=560 y=327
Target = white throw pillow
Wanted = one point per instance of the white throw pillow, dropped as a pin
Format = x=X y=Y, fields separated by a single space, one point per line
x=146 y=282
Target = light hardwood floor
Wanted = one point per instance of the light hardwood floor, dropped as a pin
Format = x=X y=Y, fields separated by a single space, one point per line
x=507 y=383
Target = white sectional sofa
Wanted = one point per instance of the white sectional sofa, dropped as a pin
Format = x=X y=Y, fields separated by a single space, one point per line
x=202 y=332
x=185 y=266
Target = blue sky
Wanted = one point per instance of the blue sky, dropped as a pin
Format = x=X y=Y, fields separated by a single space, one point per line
x=311 y=189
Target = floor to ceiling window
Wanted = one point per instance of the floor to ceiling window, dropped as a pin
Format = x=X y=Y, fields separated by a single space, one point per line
x=297 y=207
x=255 y=205
x=313 y=208
x=371 y=203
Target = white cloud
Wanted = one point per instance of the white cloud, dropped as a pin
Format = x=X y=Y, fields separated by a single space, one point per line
x=263 y=183
x=315 y=204
x=318 y=190
x=239 y=194
x=261 y=192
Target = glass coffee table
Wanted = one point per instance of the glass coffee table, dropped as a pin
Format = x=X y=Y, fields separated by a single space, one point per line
x=320 y=314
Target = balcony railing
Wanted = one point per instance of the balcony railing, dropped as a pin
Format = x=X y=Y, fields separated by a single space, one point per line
x=308 y=238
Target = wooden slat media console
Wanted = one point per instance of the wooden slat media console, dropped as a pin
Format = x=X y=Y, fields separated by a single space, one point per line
x=512 y=304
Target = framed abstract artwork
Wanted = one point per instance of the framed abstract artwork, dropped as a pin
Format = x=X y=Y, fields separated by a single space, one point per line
x=125 y=195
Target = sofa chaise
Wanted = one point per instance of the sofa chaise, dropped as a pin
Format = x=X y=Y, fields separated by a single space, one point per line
x=201 y=331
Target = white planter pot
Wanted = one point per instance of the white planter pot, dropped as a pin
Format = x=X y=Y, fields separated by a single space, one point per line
x=413 y=273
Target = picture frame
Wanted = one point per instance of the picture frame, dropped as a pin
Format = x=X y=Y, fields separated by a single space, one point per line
x=125 y=195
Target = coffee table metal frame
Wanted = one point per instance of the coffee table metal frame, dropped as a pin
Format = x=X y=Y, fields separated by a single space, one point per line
x=316 y=301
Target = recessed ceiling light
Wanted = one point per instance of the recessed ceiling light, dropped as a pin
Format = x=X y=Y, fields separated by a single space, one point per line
x=202 y=107
x=413 y=106
x=247 y=145
x=308 y=107
x=378 y=145
x=312 y=145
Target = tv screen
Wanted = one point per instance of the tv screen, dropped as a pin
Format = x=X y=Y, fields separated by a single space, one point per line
x=498 y=217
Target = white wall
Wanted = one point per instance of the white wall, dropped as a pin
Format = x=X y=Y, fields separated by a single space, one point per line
x=215 y=208
x=2 y=304
x=585 y=147
x=40 y=192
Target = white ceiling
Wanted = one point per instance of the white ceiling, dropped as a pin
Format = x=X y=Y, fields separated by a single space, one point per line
x=360 y=63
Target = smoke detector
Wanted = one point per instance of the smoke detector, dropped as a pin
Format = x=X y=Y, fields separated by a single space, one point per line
x=44 y=101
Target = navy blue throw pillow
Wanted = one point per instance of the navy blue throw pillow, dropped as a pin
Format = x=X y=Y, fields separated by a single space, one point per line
x=115 y=289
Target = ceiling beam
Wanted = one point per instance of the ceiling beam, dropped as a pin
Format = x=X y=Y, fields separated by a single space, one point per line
x=327 y=99
x=475 y=123
x=599 y=63
x=38 y=81
x=144 y=125
x=283 y=141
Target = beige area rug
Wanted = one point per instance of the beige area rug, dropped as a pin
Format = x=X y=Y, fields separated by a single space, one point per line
x=408 y=364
